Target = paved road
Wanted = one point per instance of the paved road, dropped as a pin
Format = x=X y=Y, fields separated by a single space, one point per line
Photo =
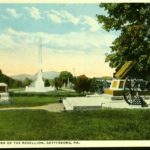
x=57 y=107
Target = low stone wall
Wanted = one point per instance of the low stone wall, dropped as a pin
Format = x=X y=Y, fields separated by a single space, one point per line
x=117 y=98
x=4 y=98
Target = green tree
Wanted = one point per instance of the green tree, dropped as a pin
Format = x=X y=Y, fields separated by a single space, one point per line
x=46 y=83
x=133 y=43
x=9 y=81
x=51 y=82
x=96 y=85
x=93 y=85
x=58 y=83
x=64 y=75
x=82 y=84
x=27 y=82
x=16 y=84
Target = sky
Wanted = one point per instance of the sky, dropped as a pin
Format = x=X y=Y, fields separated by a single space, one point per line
x=72 y=39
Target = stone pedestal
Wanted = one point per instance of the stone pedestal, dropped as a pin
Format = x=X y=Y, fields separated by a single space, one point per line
x=116 y=87
x=4 y=95
x=39 y=85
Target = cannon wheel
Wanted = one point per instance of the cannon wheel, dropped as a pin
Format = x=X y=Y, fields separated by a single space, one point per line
x=130 y=92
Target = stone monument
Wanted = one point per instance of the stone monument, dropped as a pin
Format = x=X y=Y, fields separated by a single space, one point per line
x=4 y=95
x=39 y=83
x=117 y=84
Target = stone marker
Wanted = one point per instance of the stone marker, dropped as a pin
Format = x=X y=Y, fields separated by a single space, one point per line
x=4 y=95
x=117 y=84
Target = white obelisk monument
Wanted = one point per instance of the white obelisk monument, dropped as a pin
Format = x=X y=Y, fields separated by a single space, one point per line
x=39 y=83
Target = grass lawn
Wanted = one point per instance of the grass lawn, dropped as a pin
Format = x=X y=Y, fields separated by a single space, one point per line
x=27 y=101
x=24 y=99
x=105 y=124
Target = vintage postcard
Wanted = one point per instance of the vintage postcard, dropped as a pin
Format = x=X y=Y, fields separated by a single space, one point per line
x=74 y=74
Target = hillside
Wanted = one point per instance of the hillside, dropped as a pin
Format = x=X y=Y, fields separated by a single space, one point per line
x=46 y=75
x=22 y=77
x=12 y=83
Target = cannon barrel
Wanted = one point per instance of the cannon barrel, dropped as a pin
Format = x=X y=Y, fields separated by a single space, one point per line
x=122 y=72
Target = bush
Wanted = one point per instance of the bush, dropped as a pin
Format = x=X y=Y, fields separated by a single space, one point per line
x=49 y=94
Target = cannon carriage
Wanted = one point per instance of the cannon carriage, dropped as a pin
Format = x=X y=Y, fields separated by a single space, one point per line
x=134 y=91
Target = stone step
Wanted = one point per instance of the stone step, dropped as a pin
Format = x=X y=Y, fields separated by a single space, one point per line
x=67 y=105
x=87 y=107
x=117 y=98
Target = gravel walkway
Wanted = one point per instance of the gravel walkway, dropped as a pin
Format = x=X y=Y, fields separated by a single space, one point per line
x=57 y=107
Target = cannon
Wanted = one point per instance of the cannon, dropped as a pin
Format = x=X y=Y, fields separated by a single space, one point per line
x=135 y=91
x=117 y=84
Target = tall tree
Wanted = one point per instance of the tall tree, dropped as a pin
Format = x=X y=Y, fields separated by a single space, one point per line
x=133 y=43
x=58 y=83
x=11 y=82
x=82 y=83
x=64 y=75
x=46 y=83
x=27 y=82
x=96 y=85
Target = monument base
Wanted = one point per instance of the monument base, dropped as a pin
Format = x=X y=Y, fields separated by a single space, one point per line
x=35 y=89
x=39 y=85
x=4 y=98
x=116 y=87
x=113 y=92
x=98 y=102
x=4 y=95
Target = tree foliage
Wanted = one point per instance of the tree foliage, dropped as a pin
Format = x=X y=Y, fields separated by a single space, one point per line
x=9 y=81
x=96 y=85
x=46 y=83
x=27 y=82
x=133 y=43
x=64 y=75
x=82 y=83
x=58 y=83
x=63 y=78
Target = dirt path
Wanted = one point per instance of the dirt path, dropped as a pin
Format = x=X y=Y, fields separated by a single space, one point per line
x=57 y=107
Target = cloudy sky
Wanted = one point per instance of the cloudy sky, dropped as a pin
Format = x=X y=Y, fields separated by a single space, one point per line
x=71 y=37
